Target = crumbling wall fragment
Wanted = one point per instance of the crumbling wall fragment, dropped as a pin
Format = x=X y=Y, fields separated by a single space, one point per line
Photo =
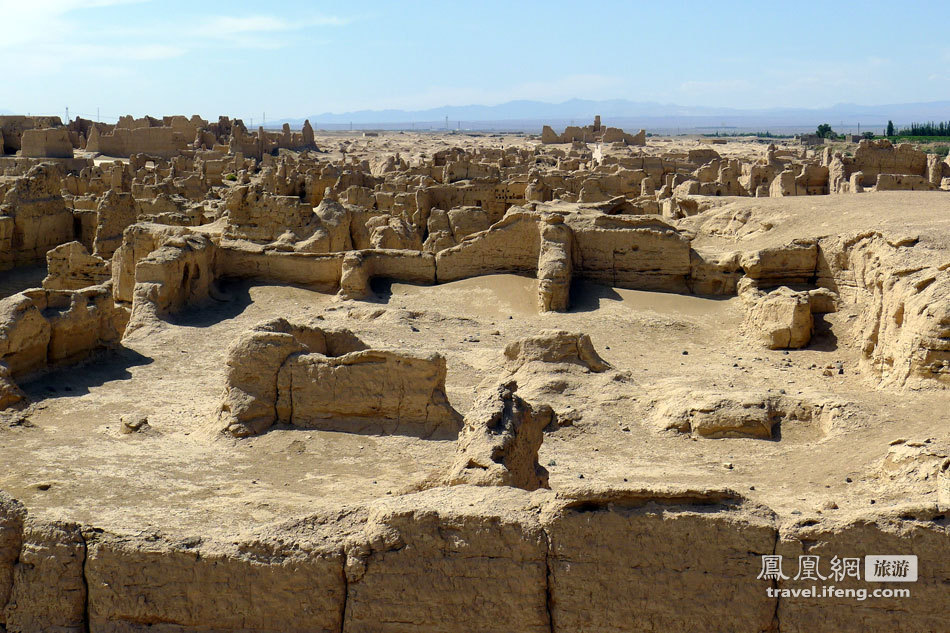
x=499 y=443
x=296 y=374
x=555 y=265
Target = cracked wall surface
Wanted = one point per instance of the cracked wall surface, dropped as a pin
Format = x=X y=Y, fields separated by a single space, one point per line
x=466 y=558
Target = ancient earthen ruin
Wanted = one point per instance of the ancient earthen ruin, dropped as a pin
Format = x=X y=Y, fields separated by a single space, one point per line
x=296 y=380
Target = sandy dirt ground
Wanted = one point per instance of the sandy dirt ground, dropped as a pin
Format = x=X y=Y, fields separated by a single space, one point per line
x=68 y=460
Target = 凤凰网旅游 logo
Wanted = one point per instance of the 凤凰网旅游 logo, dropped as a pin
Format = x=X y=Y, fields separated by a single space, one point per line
x=877 y=568
x=823 y=576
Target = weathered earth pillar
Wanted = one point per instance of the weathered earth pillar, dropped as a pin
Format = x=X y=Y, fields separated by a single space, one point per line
x=555 y=265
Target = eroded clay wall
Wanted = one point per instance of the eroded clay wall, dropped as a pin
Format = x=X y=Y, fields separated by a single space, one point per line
x=470 y=558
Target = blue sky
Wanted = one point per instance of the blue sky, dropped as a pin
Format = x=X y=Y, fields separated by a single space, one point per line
x=296 y=58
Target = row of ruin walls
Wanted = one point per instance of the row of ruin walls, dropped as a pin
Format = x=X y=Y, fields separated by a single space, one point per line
x=164 y=142
x=640 y=252
x=33 y=218
x=46 y=143
x=159 y=270
x=12 y=128
x=470 y=558
x=319 y=271
x=295 y=373
x=511 y=245
x=904 y=326
x=20 y=165
x=659 y=258
x=592 y=133
x=45 y=328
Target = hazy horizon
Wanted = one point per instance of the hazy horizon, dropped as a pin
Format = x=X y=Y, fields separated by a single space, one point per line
x=296 y=59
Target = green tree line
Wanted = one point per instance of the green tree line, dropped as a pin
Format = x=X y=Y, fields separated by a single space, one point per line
x=920 y=129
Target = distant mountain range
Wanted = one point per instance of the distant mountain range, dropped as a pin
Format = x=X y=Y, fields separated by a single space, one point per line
x=530 y=116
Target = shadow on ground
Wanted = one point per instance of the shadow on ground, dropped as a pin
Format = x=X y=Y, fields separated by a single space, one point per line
x=20 y=279
x=233 y=296
x=381 y=289
x=76 y=380
x=587 y=296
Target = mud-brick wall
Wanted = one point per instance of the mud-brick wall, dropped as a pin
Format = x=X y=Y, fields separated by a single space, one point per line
x=468 y=559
